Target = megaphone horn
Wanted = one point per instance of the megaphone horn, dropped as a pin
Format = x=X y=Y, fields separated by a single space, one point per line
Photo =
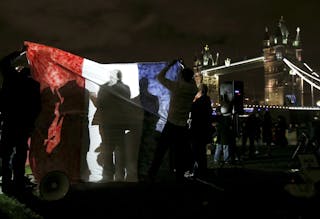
x=54 y=185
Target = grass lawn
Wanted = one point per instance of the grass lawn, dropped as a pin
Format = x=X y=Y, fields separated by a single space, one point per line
x=11 y=208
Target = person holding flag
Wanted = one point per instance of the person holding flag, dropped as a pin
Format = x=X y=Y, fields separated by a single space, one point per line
x=55 y=146
x=20 y=106
x=174 y=136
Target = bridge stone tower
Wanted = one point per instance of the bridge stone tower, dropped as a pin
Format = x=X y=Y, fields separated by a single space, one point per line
x=282 y=87
x=207 y=61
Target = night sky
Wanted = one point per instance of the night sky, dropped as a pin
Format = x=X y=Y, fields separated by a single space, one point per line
x=124 y=31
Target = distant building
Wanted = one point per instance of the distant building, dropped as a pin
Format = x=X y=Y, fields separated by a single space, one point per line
x=282 y=87
x=271 y=81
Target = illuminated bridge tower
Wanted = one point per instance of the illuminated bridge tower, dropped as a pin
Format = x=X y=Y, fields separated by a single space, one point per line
x=281 y=86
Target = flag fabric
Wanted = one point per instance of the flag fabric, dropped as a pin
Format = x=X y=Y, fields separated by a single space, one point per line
x=66 y=137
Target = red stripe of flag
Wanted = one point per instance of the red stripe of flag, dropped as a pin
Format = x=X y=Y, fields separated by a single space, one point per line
x=53 y=67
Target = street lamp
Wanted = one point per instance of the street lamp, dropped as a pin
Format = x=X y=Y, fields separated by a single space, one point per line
x=292 y=73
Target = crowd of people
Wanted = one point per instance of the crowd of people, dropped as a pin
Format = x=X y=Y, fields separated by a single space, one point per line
x=192 y=124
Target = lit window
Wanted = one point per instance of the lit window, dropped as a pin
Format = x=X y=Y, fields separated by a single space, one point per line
x=279 y=55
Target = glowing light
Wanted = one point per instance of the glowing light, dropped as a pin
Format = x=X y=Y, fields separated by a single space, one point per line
x=248 y=108
x=299 y=71
x=292 y=72
x=235 y=64
x=305 y=64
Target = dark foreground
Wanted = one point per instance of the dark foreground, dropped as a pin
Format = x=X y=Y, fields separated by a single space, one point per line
x=239 y=191
x=227 y=193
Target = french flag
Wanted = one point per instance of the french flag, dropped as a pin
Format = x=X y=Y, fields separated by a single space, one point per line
x=64 y=131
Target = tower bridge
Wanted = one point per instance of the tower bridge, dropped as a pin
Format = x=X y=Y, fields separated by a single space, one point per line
x=286 y=79
x=234 y=67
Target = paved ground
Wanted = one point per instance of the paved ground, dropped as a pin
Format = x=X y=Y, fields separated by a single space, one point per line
x=249 y=189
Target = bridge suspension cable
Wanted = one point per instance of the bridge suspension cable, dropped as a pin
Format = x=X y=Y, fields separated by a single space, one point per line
x=309 y=78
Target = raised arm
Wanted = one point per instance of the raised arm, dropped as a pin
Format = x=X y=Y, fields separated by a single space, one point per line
x=162 y=75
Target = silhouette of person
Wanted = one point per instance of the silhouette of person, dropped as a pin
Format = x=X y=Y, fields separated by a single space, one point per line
x=225 y=134
x=113 y=113
x=201 y=129
x=174 y=135
x=20 y=106
x=150 y=104
x=75 y=131
x=133 y=138
x=40 y=160
x=280 y=131
x=64 y=110
x=251 y=128
x=315 y=135
x=267 y=131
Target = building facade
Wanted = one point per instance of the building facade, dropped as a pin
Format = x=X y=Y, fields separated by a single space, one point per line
x=282 y=86
x=279 y=85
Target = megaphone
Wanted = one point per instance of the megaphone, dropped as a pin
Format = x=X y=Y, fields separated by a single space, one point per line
x=54 y=186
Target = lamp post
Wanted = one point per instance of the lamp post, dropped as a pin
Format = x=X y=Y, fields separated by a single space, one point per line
x=292 y=73
x=312 y=94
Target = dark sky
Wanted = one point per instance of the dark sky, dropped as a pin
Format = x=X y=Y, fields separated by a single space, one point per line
x=109 y=31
